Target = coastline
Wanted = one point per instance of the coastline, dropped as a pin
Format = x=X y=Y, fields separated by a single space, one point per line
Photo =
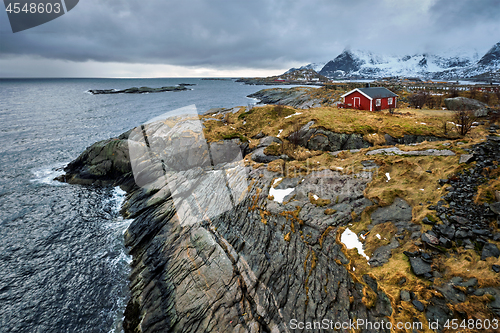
x=263 y=264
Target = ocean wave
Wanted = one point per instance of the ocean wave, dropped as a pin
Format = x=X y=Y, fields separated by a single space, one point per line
x=46 y=174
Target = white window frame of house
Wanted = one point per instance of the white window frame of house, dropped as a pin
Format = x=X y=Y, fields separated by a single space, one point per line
x=378 y=102
x=389 y=101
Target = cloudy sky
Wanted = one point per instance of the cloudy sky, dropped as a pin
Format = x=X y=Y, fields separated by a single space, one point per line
x=199 y=38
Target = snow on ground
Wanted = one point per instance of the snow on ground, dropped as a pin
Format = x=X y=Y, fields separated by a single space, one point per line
x=295 y=114
x=351 y=241
x=279 y=195
x=378 y=236
x=388 y=176
x=315 y=197
x=279 y=133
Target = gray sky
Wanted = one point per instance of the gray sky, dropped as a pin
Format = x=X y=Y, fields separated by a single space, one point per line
x=195 y=38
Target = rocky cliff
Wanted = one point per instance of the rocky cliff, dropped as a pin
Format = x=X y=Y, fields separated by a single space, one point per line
x=223 y=244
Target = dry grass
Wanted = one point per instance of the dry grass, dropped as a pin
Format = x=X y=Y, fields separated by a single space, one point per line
x=385 y=230
x=468 y=264
x=271 y=119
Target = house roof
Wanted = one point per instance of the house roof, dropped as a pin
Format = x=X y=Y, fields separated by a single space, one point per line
x=375 y=92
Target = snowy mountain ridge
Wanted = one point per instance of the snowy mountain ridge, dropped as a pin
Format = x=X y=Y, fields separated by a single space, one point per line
x=367 y=65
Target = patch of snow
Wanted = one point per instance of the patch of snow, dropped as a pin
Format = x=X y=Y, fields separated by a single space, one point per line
x=378 y=236
x=423 y=124
x=279 y=195
x=388 y=176
x=279 y=133
x=315 y=197
x=351 y=241
x=422 y=189
x=295 y=114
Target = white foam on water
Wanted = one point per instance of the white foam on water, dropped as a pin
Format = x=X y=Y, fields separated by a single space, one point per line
x=46 y=174
x=115 y=254
x=351 y=241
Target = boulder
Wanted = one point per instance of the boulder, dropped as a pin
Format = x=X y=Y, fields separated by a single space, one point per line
x=495 y=207
x=462 y=103
x=404 y=295
x=260 y=157
x=466 y=158
x=382 y=254
x=398 y=211
x=490 y=250
x=268 y=140
x=419 y=267
x=418 y=305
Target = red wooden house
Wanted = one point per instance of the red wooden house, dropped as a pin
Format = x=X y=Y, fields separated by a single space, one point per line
x=373 y=99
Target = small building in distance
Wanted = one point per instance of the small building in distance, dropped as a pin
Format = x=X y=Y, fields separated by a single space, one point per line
x=370 y=98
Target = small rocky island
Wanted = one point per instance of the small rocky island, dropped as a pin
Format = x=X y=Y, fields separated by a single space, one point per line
x=264 y=218
x=141 y=90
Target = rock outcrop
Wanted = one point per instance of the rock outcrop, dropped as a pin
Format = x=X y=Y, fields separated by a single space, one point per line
x=464 y=104
x=141 y=90
x=317 y=138
x=298 y=98
x=106 y=162
x=213 y=252
x=218 y=245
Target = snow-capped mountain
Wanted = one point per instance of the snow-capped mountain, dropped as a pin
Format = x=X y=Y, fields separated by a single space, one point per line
x=487 y=67
x=316 y=66
x=367 y=65
x=361 y=64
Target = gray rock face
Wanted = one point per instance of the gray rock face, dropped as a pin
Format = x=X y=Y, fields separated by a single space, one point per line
x=297 y=98
x=135 y=90
x=410 y=139
x=243 y=269
x=462 y=103
x=398 y=211
x=397 y=151
x=490 y=250
x=466 y=158
x=495 y=207
x=260 y=157
x=382 y=254
x=419 y=267
x=258 y=154
x=105 y=162
x=321 y=139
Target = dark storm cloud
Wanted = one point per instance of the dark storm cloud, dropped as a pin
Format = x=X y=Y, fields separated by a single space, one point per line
x=251 y=34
